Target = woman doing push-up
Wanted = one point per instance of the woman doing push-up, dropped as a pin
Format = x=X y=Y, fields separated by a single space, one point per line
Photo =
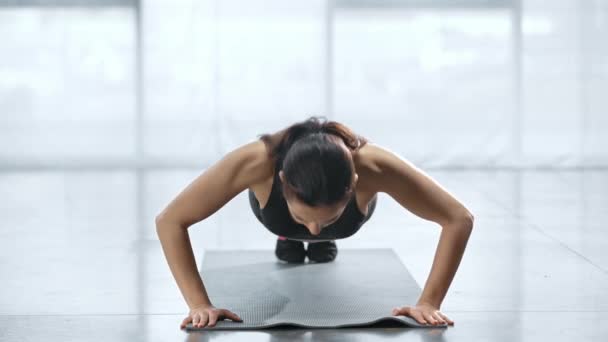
x=313 y=182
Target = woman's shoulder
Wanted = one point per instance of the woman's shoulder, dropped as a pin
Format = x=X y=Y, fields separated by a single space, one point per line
x=366 y=160
x=365 y=157
x=260 y=163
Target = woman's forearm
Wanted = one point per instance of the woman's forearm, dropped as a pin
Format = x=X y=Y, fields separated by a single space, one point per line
x=177 y=248
x=450 y=249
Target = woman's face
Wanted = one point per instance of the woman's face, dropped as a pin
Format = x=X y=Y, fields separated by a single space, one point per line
x=315 y=218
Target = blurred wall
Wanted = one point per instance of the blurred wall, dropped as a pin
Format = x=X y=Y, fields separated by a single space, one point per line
x=485 y=84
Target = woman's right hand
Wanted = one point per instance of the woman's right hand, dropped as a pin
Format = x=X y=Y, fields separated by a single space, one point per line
x=207 y=315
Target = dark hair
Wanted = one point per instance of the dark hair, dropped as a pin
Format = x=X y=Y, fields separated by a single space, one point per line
x=317 y=170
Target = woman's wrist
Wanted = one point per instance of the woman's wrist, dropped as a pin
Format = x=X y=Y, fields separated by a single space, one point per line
x=200 y=305
x=428 y=302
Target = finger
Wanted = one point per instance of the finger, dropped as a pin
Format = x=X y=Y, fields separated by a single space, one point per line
x=446 y=318
x=204 y=319
x=196 y=318
x=199 y=318
x=429 y=318
x=232 y=316
x=419 y=318
x=212 y=319
x=405 y=310
x=416 y=315
x=186 y=321
x=437 y=317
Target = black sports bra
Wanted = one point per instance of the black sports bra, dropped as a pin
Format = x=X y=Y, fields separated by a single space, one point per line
x=277 y=219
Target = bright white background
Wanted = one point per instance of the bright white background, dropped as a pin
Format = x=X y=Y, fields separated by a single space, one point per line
x=108 y=108
x=476 y=84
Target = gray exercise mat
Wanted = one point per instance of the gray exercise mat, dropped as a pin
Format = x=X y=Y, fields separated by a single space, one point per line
x=359 y=288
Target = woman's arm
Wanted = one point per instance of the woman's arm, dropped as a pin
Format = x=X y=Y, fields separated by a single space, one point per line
x=421 y=195
x=217 y=185
x=177 y=248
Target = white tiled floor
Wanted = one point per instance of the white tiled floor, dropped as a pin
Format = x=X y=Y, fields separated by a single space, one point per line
x=80 y=259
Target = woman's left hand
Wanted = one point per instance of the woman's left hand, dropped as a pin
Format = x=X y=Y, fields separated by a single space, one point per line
x=423 y=314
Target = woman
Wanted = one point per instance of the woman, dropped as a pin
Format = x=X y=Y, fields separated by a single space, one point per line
x=314 y=181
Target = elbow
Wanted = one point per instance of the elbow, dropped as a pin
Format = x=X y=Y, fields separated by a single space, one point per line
x=160 y=220
x=464 y=219
x=471 y=219
x=468 y=220
x=163 y=220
